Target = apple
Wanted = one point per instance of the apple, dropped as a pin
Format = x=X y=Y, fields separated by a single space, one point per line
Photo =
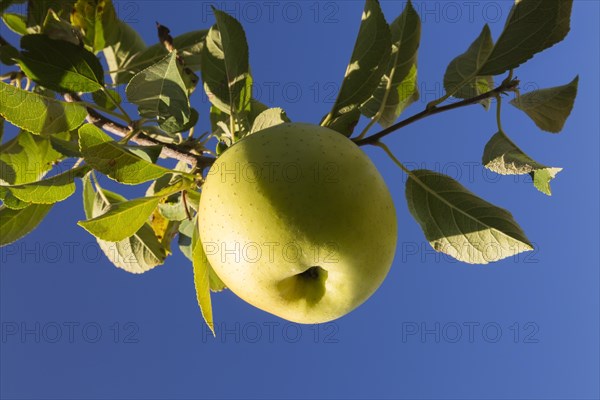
x=297 y=221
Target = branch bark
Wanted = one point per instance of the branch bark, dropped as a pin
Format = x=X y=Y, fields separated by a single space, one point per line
x=506 y=86
x=169 y=150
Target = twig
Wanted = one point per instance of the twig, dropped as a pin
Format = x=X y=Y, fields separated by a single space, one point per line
x=506 y=86
x=169 y=150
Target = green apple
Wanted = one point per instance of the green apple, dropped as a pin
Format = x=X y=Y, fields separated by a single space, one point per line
x=297 y=221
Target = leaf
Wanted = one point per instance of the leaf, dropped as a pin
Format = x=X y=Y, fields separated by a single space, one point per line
x=37 y=11
x=39 y=114
x=121 y=220
x=504 y=157
x=60 y=65
x=57 y=28
x=201 y=280
x=398 y=87
x=532 y=26
x=189 y=45
x=11 y=201
x=8 y=54
x=159 y=92
x=16 y=23
x=186 y=231
x=109 y=102
x=95 y=18
x=549 y=108
x=136 y=254
x=26 y=158
x=115 y=161
x=124 y=43
x=460 y=224
x=269 y=118
x=48 y=191
x=14 y=224
x=462 y=78
x=369 y=62
x=164 y=229
x=225 y=66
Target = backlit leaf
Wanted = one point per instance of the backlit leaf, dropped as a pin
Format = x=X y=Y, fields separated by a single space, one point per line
x=160 y=92
x=462 y=78
x=549 y=108
x=369 y=62
x=14 y=224
x=398 y=87
x=60 y=65
x=532 y=26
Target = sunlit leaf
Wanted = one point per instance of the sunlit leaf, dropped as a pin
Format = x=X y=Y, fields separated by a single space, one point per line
x=136 y=254
x=504 y=157
x=114 y=160
x=39 y=114
x=50 y=190
x=121 y=220
x=269 y=118
x=458 y=223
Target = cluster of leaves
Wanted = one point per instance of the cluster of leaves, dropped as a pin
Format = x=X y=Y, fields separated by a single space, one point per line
x=59 y=51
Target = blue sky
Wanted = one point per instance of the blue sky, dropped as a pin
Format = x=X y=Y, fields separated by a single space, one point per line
x=75 y=327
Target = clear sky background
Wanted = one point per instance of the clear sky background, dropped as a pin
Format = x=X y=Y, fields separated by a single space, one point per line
x=526 y=327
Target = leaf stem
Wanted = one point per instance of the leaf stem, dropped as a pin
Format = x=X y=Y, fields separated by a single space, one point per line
x=506 y=86
x=499 y=112
x=392 y=156
x=126 y=116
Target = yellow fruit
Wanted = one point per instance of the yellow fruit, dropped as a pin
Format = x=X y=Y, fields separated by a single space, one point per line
x=297 y=221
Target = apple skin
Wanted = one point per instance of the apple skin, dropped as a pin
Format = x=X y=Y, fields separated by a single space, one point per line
x=297 y=221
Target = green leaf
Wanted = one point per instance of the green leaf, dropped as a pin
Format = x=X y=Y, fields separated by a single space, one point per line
x=159 y=92
x=549 y=108
x=109 y=102
x=269 y=118
x=124 y=44
x=16 y=23
x=114 y=160
x=462 y=78
x=95 y=18
x=189 y=46
x=67 y=147
x=39 y=114
x=57 y=28
x=122 y=219
x=202 y=269
x=8 y=54
x=369 y=62
x=136 y=254
x=398 y=87
x=532 y=26
x=60 y=65
x=14 y=224
x=11 y=201
x=504 y=157
x=26 y=158
x=37 y=11
x=48 y=191
x=460 y=224
x=225 y=66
